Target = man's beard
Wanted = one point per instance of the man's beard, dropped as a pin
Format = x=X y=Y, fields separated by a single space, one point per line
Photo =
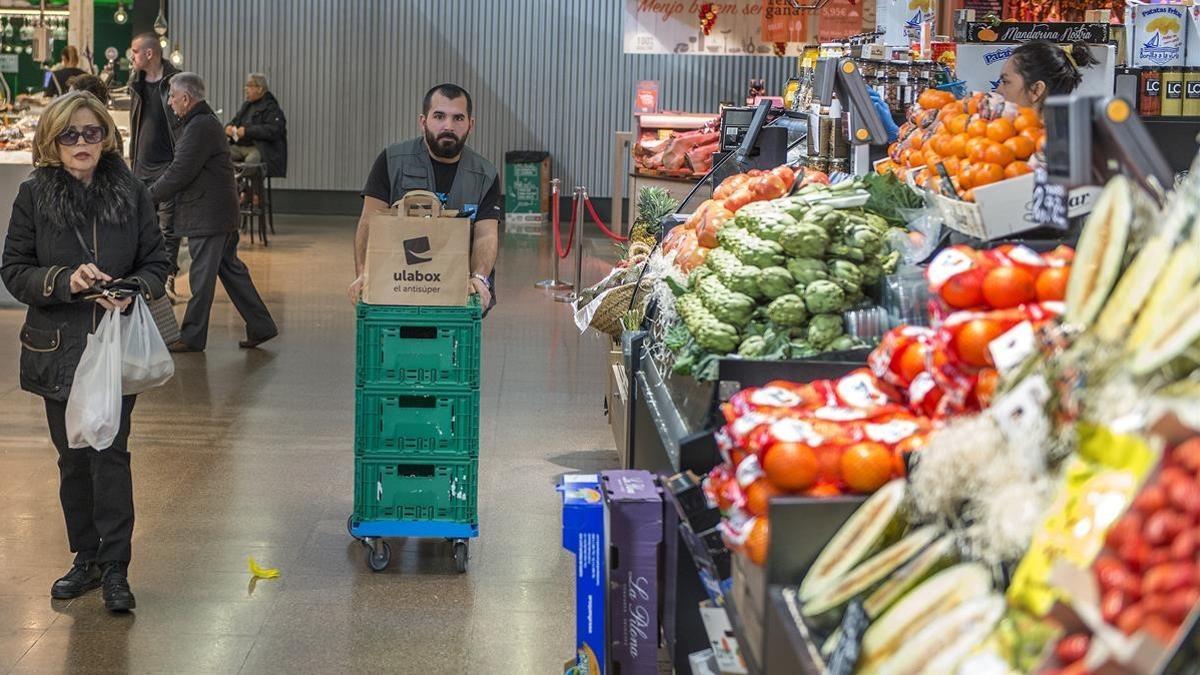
x=446 y=146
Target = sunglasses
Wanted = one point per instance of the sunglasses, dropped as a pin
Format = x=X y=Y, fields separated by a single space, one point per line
x=91 y=134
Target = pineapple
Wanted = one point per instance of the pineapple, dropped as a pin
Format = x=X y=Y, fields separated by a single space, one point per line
x=652 y=204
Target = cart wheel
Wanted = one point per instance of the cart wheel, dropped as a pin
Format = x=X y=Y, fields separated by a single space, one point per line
x=350 y=527
x=378 y=556
x=460 y=556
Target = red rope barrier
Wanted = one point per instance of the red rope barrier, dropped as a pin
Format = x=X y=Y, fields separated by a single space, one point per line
x=603 y=228
x=558 y=247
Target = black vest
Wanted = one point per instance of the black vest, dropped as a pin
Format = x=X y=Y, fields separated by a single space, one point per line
x=411 y=168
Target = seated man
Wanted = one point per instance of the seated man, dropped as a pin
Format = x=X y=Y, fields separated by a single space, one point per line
x=259 y=130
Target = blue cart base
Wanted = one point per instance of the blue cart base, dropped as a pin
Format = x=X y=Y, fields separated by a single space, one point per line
x=371 y=534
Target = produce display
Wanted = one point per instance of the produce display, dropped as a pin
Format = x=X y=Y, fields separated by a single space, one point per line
x=979 y=140
x=682 y=154
x=781 y=273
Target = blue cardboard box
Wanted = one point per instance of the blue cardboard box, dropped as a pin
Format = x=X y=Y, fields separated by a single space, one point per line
x=584 y=535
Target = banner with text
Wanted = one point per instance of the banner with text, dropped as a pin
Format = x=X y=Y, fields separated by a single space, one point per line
x=673 y=27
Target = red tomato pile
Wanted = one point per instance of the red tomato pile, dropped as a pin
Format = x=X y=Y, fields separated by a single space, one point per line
x=1148 y=577
x=1069 y=652
x=825 y=438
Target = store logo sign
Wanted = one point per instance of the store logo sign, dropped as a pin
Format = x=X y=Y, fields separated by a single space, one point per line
x=413 y=248
x=997 y=56
x=1164 y=45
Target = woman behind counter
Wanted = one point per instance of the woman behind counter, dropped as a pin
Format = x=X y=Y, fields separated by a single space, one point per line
x=60 y=76
x=81 y=189
x=1039 y=69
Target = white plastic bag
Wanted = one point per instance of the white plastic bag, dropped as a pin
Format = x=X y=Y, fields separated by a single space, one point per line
x=94 y=406
x=145 y=361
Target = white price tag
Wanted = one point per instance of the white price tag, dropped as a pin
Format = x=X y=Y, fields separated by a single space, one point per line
x=947 y=264
x=796 y=431
x=1021 y=412
x=1012 y=348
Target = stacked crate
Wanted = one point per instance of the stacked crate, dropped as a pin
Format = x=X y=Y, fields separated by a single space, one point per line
x=416 y=433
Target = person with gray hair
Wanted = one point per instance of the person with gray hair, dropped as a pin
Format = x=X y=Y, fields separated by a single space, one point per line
x=258 y=132
x=201 y=181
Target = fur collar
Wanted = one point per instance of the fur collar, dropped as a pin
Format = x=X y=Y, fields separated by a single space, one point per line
x=65 y=201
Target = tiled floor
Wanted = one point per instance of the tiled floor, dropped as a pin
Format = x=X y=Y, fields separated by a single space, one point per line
x=248 y=453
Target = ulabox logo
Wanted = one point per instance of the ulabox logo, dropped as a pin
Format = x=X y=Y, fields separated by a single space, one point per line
x=413 y=248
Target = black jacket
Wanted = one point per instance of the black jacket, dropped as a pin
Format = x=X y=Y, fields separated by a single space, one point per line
x=200 y=179
x=117 y=218
x=266 y=128
x=137 y=89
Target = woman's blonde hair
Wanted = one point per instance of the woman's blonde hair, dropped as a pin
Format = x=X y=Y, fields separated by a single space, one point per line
x=70 y=56
x=57 y=119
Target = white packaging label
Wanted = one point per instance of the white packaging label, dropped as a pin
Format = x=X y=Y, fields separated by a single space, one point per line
x=775 y=397
x=892 y=432
x=1020 y=413
x=947 y=264
x=796 y=431
x=1012 y=348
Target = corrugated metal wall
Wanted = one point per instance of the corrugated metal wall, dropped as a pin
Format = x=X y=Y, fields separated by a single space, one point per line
x=350 y=74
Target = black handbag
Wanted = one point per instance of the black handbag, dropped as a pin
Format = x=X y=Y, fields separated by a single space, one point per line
x=160 y=307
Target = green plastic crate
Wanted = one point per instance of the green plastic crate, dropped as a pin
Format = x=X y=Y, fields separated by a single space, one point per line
x=417 y=421
x=403 y=489
x=468 y=312
x=418 y=351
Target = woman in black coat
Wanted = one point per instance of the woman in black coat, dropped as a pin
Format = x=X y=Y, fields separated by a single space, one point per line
x=81 y=189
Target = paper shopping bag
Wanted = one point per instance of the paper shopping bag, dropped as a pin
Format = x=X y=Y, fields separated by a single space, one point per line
x=417 y=254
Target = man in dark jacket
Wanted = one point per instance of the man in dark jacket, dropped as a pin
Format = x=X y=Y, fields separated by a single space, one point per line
x=151 y=144
x=201 y=182
x=259 y=130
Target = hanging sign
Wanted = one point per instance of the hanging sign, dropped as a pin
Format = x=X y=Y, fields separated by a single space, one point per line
x=839 y=20
x=781 y=22
x=673 y=27
x=9 y=63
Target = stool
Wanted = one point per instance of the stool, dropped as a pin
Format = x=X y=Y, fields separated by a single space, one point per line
x=270 y=205
x=250 y=177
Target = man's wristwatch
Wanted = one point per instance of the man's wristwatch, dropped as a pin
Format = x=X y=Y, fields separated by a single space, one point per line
x=485 y=280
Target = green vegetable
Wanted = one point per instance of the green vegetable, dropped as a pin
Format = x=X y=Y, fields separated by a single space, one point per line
x=698 y=274
x=847 y=275
x=728 y=306
x=872 y=272
x=753 y=347
x=823 y=329
x=749 y=249
x=803 y=350
x=863 y=236
x=840 y=250
x=676 y=338
x=709 y=332
x=888 y=196
x=787 y=310
x=770 y=225
x=824 y=297
x=807 y=270
x=804 y=240
x=775 y=281
x=844 y=343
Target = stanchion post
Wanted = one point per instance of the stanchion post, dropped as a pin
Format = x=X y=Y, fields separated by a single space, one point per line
x=580 y=210
x=554 y=284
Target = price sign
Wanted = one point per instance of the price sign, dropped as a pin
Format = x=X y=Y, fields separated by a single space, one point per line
x=1050 y=202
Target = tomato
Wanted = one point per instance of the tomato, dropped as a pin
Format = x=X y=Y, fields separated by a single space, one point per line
x=985 y=386
x=963 y=291
x=1112 y=604
x=1162 y=527
x=1052 y=284
x=973 y=339
x=1006 y=287
x=1126 y=528
x=1187 y=454
x=1151 y=500
x=1185 y=496
x=1072 y=648
x=1132 y=619
x=912 y=362
x=769 y=186
x=785 y=174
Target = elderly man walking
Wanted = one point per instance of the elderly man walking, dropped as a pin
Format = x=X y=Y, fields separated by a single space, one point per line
x=201 y=181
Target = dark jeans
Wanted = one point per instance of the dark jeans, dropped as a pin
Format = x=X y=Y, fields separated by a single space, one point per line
x=96 y=490
x=213 y=258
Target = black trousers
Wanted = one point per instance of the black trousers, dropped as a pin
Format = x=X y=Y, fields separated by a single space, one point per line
x=213 y=258
x=96 y=490
x=166 y=223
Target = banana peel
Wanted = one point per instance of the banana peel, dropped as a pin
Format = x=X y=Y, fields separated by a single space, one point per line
x=261 y=572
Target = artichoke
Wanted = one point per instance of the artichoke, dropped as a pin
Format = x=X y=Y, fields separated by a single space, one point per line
x=824 y=297
x=753 y=347
x=807 y=270
x=823 y=329
x=709 y=332
x=775 y=281
x=728 y=306
x=787 y=310
x=862 y=236
x=840 y=250
x=804 y=240
x=847 y=275
x=872 y=272
x=803 y=350
x=844 y=343
x=771 y=226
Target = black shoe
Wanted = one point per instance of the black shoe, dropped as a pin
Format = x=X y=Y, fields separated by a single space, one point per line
x=117 y=596
x=180 y=347
x=254 y=342
x=82 y=578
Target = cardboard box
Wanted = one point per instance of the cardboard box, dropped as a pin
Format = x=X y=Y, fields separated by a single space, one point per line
x=616 y=398
x=749 y=593
x=1004 y=208
x=1160 y=35
x=979 y=65
x=584 y=535
x=724 y=643
x=634 y=529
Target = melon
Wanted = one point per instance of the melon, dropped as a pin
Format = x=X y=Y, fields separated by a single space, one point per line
x=947 y=640
x=1135 y=285
x=872 y=526
x=940 y=593
x=1180 y=274
x=936 y=557
x=1178 y=337
x=1100 y=253
x=826 y=608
